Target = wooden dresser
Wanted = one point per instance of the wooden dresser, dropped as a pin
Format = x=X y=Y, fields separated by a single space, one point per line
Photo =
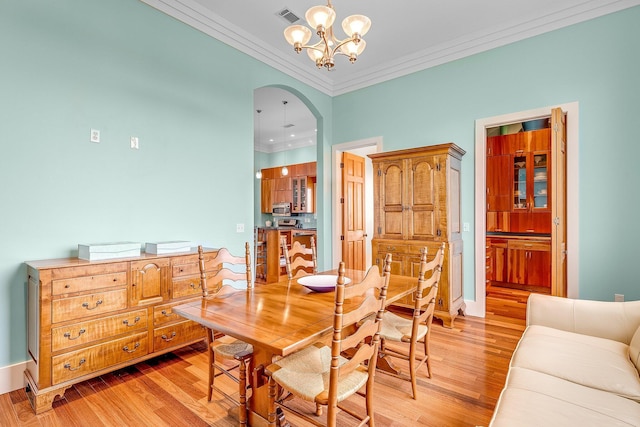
x=417 y=204
x=87 y=318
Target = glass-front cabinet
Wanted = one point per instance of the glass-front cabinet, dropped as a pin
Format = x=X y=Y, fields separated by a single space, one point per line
x=530 y=181
x=540 y=181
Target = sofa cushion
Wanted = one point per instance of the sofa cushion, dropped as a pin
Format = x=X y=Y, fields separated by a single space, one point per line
x=634 y=349
x=531 y=398
x=590 y=361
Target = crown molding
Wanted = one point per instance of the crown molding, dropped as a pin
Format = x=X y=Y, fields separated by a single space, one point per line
x=215 y=26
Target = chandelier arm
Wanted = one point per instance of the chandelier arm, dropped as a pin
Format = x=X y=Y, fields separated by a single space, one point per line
x=339 y=45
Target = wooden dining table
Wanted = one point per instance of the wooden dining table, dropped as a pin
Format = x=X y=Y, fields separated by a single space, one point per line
x=277 y=319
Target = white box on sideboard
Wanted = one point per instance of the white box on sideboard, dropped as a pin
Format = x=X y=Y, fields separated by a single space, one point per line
x=168 y=247
x=100 y=251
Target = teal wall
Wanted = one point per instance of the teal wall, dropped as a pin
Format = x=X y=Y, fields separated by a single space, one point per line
x=126 y=69
x=597 y=64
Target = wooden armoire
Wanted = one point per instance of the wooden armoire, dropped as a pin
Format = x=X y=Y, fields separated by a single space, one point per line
x=417 y=204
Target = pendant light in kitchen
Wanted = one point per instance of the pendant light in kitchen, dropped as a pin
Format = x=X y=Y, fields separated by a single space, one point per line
x=259 y=172
x=285 y=170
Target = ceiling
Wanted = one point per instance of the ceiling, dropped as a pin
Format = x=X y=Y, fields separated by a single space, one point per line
x=405 y=37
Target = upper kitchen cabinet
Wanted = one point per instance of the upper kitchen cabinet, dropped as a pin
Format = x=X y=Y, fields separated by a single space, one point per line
x=518 y=182
x=296 y=188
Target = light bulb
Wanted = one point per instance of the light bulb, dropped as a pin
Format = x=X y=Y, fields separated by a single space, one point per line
x=285 y=171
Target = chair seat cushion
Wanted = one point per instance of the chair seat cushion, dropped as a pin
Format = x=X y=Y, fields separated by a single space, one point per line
x=228 y=348
x=306 y=374
x=395 y=327
x=594 y=362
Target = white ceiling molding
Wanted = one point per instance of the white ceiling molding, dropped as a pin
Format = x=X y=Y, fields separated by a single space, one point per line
x=203 y=19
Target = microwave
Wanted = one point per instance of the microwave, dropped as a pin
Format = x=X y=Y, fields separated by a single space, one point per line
x=281 y=209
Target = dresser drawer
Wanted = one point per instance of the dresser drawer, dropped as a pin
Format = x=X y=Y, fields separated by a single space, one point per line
x=393 y=248
x=88 y=283
x=190 y=265
x=530 y=245
x=163 y=314
x=63 y=337
x=89 y=270
x=185 y=266
x=88 y=305
x=87 y=360
x=186 y=286
x=177 y=334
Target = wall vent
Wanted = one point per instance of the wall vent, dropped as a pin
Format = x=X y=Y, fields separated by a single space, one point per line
x=288 y=16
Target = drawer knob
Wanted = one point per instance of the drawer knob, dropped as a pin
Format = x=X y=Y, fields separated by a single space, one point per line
x=167 y=339
x=164 y=313
x=86 y=305
x=135 y=347
x=68 y=365
x=136 y=320
x=80 y=332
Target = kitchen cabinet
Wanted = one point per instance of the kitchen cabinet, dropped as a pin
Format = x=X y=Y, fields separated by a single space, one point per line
x=302 y=188
x=297 y=188
x=417 y=204
x=518 y=190
x=496 y=259
x=87 y=318
x=529 y=262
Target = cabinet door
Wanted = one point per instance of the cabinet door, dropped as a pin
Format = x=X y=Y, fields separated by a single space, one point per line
x=498 y=183
x=389 y=191
x=421 y=215
x=149 y=281
x=539 y=266
x=266 y=195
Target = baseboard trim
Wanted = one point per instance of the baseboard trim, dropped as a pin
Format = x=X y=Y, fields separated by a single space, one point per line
x=12 y=377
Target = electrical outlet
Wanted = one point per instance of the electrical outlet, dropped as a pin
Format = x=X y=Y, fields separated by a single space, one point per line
x=95 y=135
x=618 y=297
x=239 y=228
x=465 y=226
x=135 y=143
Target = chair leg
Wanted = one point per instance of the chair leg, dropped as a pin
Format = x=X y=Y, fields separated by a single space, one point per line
x=412 y=370
x=242 y=385
x=212 y=369
x=271 y=417
x=426 y=354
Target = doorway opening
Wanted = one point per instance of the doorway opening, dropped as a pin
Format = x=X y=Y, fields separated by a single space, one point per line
x=477 y=307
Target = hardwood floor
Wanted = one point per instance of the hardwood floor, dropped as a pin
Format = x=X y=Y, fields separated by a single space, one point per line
x=469 y=369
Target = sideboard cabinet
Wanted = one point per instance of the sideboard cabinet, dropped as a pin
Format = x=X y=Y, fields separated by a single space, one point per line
x=87 y=318
x=417 y=204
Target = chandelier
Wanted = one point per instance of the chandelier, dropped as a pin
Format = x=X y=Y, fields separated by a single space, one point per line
x=321 y=18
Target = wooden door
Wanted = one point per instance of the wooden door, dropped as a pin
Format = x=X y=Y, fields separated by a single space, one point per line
x=559 y=205
x=353 y=212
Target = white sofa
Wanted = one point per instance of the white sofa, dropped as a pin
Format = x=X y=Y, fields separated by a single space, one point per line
x=576 y=364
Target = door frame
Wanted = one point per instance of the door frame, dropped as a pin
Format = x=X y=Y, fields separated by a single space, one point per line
x=360 y=147
x=478 y=307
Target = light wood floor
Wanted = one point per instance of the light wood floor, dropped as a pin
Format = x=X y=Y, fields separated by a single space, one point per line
x=469 y=365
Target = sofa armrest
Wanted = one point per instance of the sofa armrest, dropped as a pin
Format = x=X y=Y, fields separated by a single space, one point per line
x=612 y=320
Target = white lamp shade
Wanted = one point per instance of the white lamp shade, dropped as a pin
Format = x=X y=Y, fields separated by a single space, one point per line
x=353 y=48
x=285 y=171
x=297 y=34
x=320 y=16
x=353 y=24
x=314 y=54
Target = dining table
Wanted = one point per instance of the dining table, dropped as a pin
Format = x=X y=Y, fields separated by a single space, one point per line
x=278 y=319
